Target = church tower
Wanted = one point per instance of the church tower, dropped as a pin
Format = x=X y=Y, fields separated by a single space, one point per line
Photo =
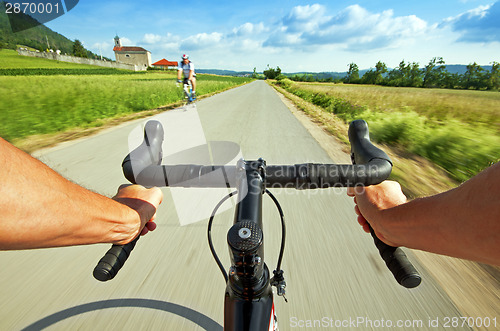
x=118 y=42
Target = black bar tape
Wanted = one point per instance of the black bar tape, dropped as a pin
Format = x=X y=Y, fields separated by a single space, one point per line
x=397 y=262
x=113 y=261
x=188 y=175
x=316 y=175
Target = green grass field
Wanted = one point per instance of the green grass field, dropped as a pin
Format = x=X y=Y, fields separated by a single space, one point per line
x=468 y=106
x=457 y=130
x=41 y=104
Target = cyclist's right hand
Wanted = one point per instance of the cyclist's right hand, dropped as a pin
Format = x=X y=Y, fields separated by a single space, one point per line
x=144 y=202
x=372 y=204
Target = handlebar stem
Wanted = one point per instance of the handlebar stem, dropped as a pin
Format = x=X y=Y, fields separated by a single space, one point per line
x=245 y=238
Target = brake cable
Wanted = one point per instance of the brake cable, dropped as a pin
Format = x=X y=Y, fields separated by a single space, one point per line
x=209 y=234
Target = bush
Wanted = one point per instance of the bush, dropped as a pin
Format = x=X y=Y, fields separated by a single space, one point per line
x=284 y=82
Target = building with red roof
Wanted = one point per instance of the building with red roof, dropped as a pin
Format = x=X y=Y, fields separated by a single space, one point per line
x=165 y=64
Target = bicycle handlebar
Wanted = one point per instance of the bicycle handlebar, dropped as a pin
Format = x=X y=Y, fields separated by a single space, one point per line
x=370 y=166
x=363 y=151
x=113 y=261
x=298 y=176
x=142 y=166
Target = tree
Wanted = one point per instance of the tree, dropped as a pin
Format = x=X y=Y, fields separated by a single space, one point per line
x=494 y=77
x=272 y=73
x=434 y=73
x=375 y=76
x=408 y=75
x=78 y=49
x=451 y=81
x=474 y=77
x=395 y=76
x=380 y=70
x=414 y=75
x=352 y=74
x=369 y=77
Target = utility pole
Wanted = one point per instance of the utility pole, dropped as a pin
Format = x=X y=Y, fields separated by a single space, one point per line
x=48 y=46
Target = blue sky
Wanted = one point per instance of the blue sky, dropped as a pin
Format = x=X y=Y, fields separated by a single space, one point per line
x=294 y=35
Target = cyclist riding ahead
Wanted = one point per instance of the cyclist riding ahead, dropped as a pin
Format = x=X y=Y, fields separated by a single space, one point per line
x=186 y=68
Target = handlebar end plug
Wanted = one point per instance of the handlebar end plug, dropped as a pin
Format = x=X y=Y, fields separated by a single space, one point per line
x=103 y=272
x=411 y=280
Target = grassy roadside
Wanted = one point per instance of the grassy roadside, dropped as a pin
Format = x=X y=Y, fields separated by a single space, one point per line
x=467 y=106
x=35 y=105
x=418 y=176
x=35 y=142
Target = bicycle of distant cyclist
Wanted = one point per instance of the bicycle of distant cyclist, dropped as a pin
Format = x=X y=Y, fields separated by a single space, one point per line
x=248 y=300
x=188 y=91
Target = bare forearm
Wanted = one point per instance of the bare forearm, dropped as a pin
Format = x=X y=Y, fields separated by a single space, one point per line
x=463 y=222
x=40 y=208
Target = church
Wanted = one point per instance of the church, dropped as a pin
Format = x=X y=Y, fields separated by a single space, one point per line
x=133 y=55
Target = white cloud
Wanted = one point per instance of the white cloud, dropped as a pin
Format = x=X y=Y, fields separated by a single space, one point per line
x=126 y=42
x=201 y=40
x=103 y=47
x=353 y=28
x=151 y=38
x=249 y=29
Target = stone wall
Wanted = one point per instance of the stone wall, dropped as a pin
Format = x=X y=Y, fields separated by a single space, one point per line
x=80 y=60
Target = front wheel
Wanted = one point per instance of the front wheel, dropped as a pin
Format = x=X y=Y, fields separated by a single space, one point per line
x=188 y=93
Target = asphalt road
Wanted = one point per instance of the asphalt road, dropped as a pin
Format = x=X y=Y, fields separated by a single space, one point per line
x=333 y=272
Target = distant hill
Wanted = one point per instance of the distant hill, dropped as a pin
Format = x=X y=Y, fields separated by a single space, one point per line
x=221 y=72
x=461 y=69
x=35 y=37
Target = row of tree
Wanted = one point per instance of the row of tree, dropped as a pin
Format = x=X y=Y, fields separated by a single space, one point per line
x=433 y=75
